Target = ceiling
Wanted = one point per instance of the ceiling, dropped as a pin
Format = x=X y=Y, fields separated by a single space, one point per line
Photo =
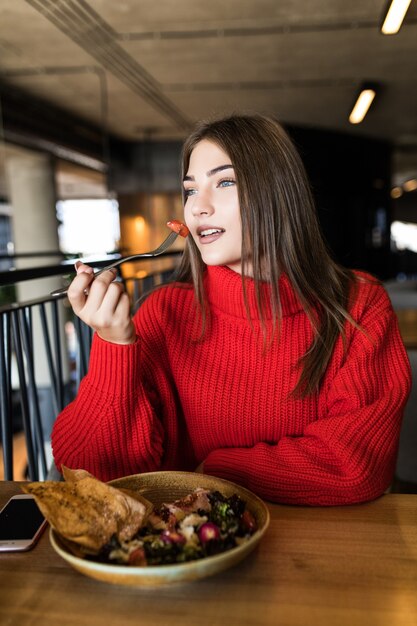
x=151 y=69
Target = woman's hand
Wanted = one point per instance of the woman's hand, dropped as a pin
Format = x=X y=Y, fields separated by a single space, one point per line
x=102 y=304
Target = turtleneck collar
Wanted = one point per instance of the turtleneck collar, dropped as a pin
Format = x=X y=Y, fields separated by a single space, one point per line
x=225 y=292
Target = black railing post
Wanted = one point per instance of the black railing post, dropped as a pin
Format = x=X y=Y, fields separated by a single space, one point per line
x=36 y=431
x=24 y=402
x=49 y=358
x=58 y=354
x=5 y=397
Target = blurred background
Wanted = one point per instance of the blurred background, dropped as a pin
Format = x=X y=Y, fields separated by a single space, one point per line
x=96 y=97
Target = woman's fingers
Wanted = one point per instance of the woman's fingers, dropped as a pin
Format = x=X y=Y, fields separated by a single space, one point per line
x=77 y=291
x=102 y=290
x=116 y=324
x=102 y=304
x=83 y=267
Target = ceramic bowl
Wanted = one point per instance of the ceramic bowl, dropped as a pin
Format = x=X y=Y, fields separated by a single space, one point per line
x=159 y=487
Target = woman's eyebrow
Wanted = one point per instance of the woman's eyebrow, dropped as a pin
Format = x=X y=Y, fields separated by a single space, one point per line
x=219 y=168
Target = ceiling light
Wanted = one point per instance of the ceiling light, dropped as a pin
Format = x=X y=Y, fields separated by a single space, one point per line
x=362 y=104
x=395 y=16
x=410 y=185
x=396 y=192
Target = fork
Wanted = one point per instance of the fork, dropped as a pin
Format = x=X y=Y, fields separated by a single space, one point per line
x=159 y=250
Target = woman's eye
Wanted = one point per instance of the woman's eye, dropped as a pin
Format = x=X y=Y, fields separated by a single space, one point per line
x=226 y=182
x=189 y=192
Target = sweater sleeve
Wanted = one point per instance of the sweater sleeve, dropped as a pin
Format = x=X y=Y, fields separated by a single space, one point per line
x=348 y=453
x=125 y=409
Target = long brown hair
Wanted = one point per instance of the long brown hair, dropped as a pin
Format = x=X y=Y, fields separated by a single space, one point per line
x=281 y=233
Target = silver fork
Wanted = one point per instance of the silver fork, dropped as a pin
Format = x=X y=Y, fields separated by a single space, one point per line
x=159 y=250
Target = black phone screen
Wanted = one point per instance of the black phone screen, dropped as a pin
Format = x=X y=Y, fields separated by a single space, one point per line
x=20 y=519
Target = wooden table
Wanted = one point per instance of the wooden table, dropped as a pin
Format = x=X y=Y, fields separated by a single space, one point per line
x=342 y=566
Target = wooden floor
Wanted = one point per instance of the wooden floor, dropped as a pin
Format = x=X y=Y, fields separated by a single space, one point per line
x=19 y=458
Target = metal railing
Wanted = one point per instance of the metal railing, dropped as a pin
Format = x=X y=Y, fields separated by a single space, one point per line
x=27 y=328
x=18 y=377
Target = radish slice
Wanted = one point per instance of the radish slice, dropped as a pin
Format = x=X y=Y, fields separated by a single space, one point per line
x=208 y=531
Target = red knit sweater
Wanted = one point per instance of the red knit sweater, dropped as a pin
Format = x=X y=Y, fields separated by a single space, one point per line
x=170 y=402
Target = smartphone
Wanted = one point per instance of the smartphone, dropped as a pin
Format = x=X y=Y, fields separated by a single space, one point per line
x=21 y=524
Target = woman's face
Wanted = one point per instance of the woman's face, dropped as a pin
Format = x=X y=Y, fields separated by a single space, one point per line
x=212 y=211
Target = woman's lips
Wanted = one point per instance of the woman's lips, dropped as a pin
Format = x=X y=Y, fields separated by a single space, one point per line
x=208 y=234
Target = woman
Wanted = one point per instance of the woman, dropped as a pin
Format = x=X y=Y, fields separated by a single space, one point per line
x=265 y=363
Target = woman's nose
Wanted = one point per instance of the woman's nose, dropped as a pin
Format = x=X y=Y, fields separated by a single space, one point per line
x=202 y=204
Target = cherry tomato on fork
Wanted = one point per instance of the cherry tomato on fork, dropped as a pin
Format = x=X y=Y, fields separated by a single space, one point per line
x=178 y=227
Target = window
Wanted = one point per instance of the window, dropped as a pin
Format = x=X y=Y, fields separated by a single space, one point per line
x=88 y=227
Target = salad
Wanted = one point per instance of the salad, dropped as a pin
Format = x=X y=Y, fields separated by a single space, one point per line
x=201 y=524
